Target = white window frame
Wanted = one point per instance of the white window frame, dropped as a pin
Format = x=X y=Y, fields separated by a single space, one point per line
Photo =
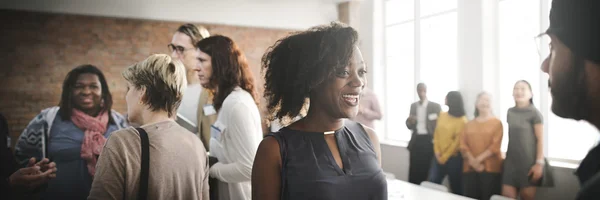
x=541 y=92
x=417 y=18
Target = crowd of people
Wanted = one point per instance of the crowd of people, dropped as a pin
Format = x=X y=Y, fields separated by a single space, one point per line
x=314 y=82
x=468 y=152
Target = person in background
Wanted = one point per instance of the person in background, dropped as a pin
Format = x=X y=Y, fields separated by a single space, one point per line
x=525 y=154
x=178 y=164
x=222 y=69
x=446 y=144
x=321 y=156
x=17 y=181
x=480 y=148
x=183 y=48
x=368 y=110
x=574 y=68
x=73 y=133
x=422 y=122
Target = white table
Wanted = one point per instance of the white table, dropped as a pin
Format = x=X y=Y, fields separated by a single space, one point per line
x=401 y=190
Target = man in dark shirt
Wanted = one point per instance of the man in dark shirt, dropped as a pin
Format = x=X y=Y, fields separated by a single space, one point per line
x=574 y=69
x=24 y=179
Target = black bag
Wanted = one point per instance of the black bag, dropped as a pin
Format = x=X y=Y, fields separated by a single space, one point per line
x=547 y=179
x=145 y=165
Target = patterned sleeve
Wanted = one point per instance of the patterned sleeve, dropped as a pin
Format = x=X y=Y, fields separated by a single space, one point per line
x=30 y=143
x=120 y=120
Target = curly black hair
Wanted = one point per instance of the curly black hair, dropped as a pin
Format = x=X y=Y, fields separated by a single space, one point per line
x=301 y=62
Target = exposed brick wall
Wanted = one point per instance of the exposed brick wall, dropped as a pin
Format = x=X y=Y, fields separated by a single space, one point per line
x=37 y=50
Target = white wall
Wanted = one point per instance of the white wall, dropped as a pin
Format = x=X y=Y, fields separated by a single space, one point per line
x=284 y=14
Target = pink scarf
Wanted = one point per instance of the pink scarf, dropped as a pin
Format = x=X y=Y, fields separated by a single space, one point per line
x=93 y=140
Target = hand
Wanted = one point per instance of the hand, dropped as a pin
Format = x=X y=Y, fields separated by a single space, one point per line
x=437 y=157
x=479 y=168
x=45 y=165
x=29 y=178
x=476 y=165
x=536 y=172
x=412 y=119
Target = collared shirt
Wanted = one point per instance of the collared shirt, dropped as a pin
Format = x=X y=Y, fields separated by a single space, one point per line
x=422 y=118
x=189 y=103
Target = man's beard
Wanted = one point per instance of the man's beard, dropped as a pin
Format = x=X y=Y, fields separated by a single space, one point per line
x=569 y=92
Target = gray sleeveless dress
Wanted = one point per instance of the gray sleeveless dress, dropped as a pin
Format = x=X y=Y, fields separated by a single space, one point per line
x=309 y=170
x=522 y=145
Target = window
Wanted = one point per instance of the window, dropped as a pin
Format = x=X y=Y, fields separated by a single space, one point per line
x=519 y=22
x=518 y=57
x=420 y=46
x=569 y=139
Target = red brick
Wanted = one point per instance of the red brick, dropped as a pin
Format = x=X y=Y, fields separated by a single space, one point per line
x=41 y=48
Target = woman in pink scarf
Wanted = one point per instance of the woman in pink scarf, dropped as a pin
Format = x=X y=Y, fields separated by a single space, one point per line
x=73 y=133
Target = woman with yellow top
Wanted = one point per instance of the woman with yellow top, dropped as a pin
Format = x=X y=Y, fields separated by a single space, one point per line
x=446 y=143
x=480 y=147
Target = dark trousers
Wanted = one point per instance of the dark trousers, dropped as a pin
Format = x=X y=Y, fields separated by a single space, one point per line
x=452 y=168
x=421 y=153
x=482 y=185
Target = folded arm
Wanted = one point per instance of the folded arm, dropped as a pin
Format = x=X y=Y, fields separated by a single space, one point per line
x=245 y=134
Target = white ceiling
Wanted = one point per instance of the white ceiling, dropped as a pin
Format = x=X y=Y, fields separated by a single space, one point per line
x=286 y=14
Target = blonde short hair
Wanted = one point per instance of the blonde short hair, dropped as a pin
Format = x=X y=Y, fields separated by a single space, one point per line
x=196 y=33
x=163 y=78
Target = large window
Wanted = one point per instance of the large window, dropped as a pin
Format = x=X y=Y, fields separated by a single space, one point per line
x=420 y=46
x=519 y=22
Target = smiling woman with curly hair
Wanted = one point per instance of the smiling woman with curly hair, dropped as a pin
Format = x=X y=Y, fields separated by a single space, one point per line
x=323 y=155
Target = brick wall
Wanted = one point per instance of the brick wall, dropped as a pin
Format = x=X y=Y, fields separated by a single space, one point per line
x=38 y=49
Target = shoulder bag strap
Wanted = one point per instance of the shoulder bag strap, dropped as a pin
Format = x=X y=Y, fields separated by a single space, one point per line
x=145 y=165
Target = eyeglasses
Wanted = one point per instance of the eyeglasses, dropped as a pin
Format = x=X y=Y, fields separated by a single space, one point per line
x=542 y=42
x=177 y=48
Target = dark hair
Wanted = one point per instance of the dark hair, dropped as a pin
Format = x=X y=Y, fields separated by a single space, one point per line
x=477 y=101
x=66 y=104
x=456 y=107
x=421 y=85
x=301 y=62
x=229 y=68
x=530 y=90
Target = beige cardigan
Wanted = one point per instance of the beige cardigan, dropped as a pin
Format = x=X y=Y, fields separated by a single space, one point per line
x=178 y=165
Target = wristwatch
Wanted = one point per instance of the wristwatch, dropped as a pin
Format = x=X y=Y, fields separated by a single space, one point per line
x=540 y=161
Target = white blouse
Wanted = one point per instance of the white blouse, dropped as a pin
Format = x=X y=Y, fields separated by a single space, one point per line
x=235 y=137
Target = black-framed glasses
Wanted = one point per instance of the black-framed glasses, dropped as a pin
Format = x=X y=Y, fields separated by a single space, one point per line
x=542 y=42
x=177 y=48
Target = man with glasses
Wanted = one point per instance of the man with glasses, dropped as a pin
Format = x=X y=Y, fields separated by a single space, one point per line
x=183 y=48
x=195 y=98
x=574 y=68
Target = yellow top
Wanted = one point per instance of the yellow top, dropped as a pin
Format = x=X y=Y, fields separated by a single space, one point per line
x=446 y=139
